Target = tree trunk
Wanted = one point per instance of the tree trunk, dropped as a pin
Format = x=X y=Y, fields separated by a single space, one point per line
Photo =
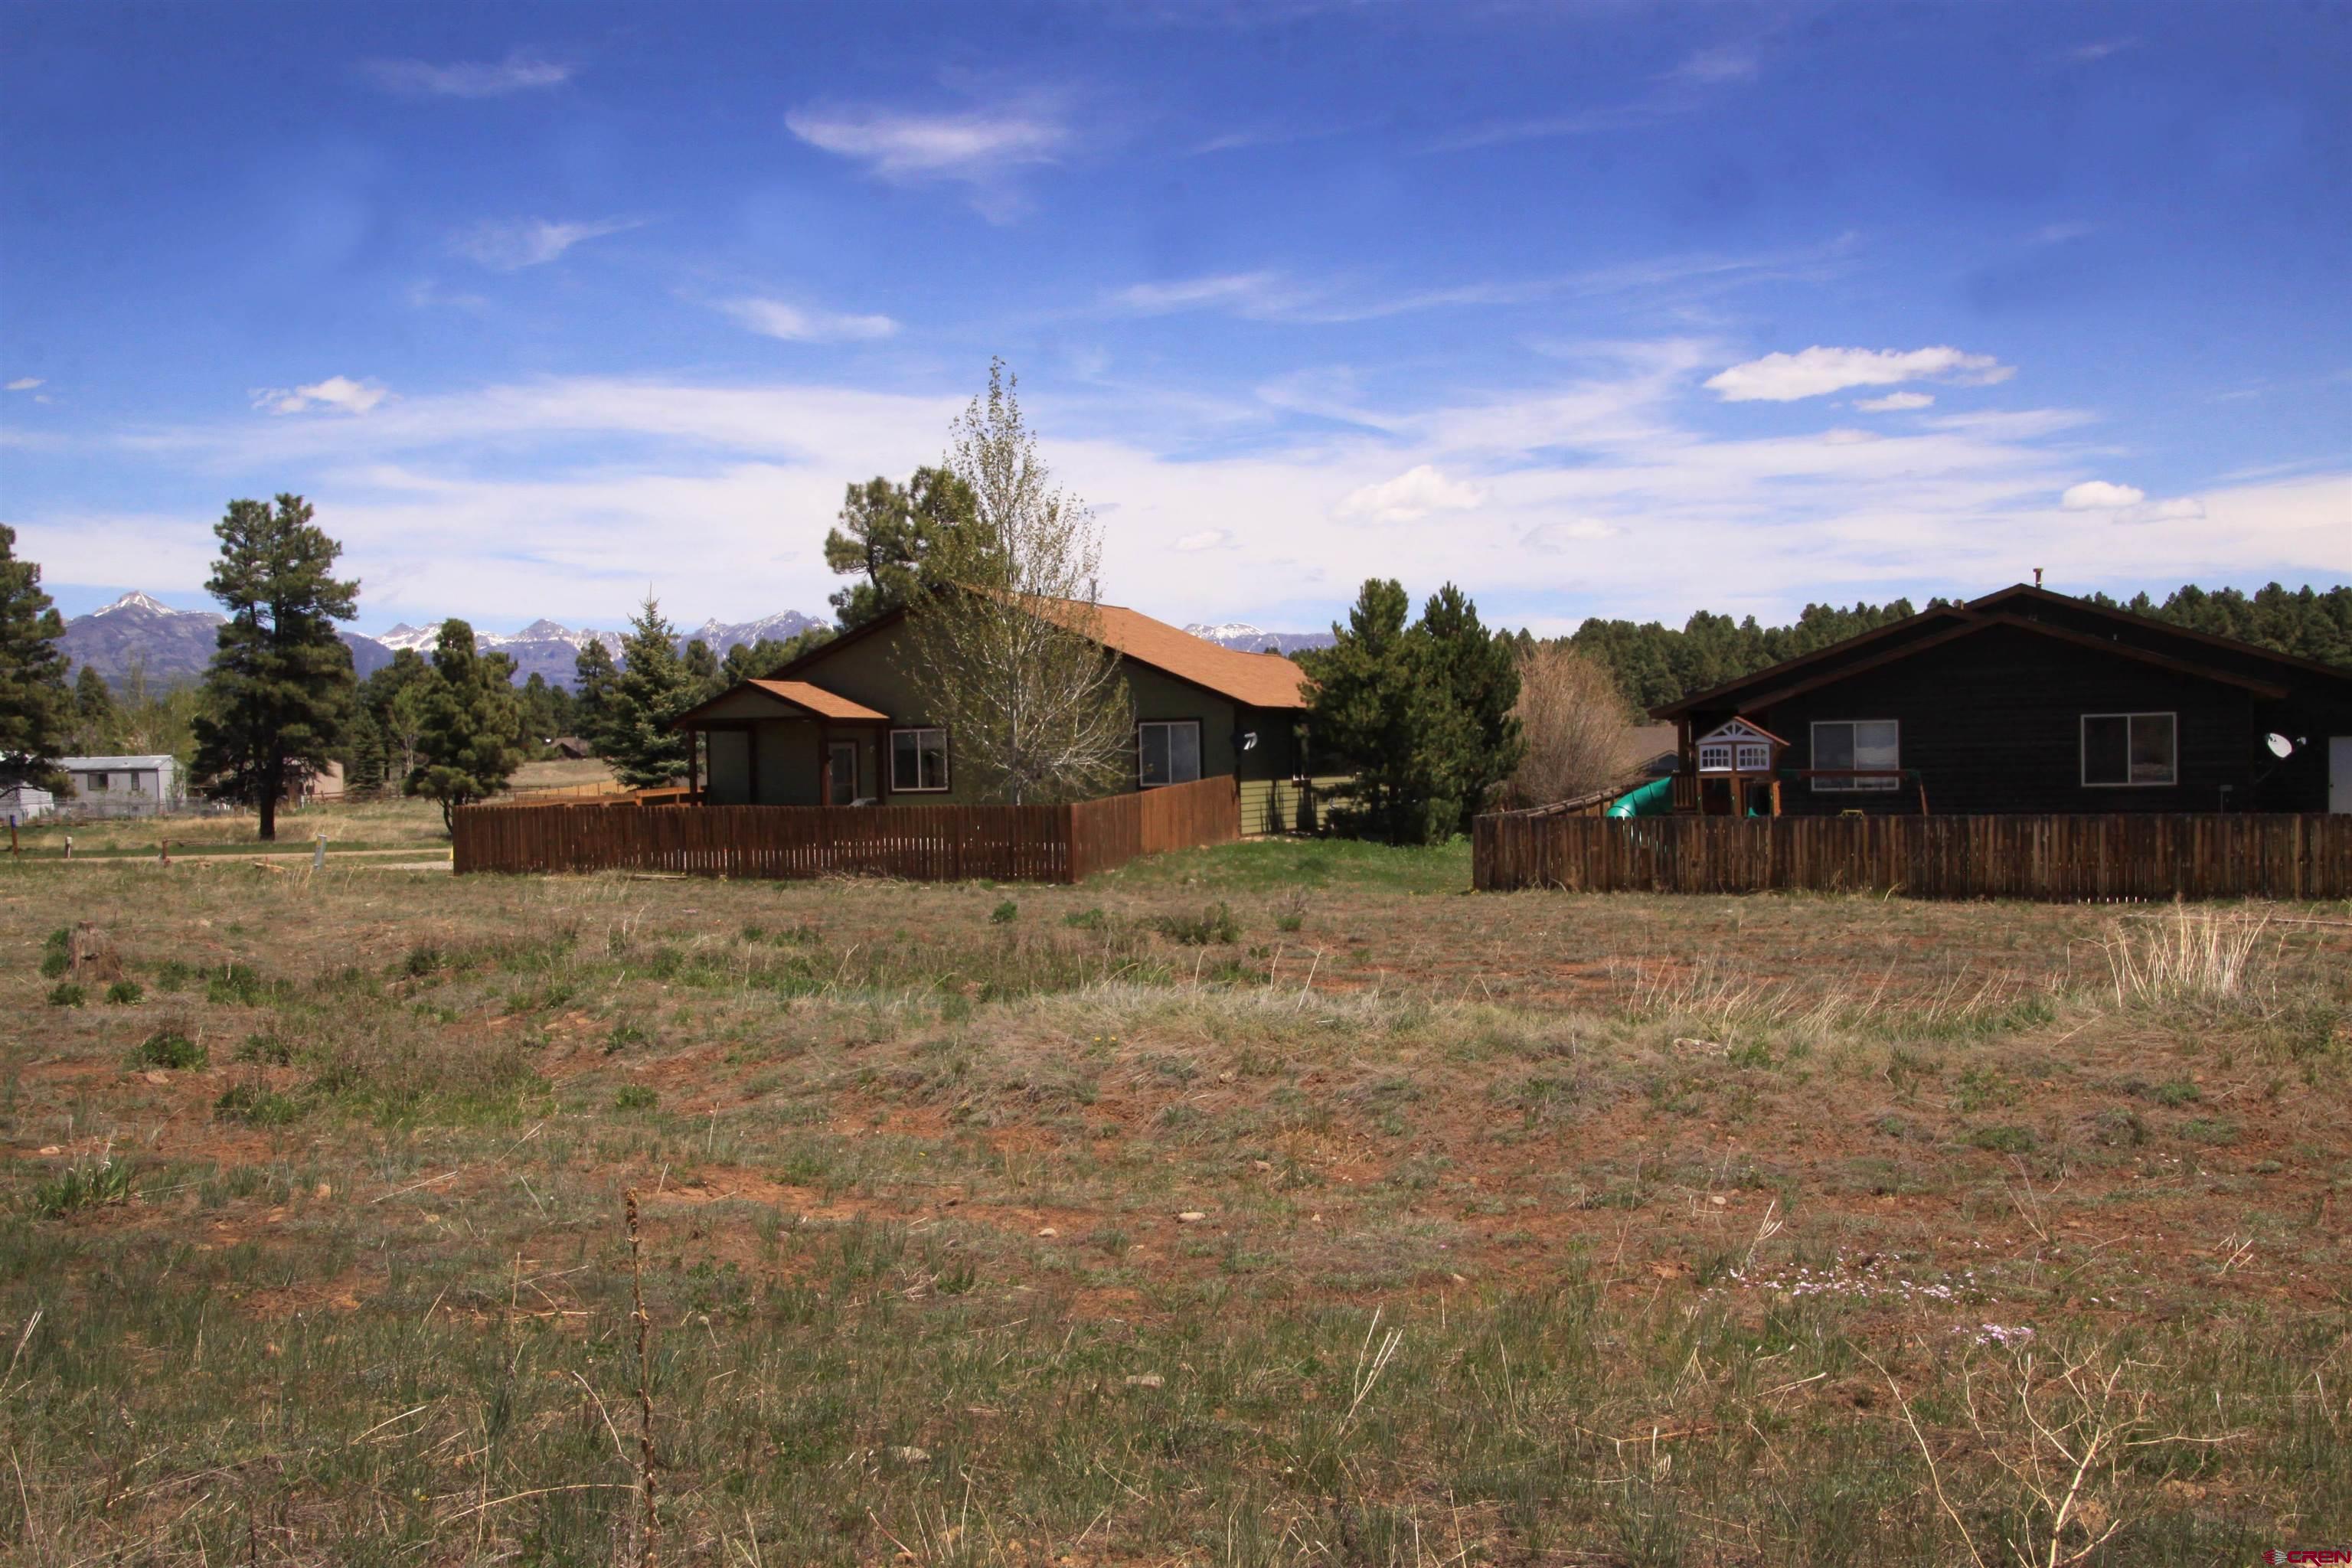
x=273 y=779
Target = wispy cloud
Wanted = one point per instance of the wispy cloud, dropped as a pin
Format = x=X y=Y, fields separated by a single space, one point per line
x=337 y=392
x=1207 y=539
x=774 y=319
x=979 y=149
x=1813 y=371
x=2098 y=495
x=511 y=245
x=2087 y=53
x=519 y=72
x=1894 y=401
x=1727 y=62
x=25 y=383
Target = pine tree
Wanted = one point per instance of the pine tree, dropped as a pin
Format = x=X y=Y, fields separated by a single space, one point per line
x=363 y=765
x=702 y=669
x=278 y=690
x=96 y=719
x=35 y=708
x=470 y=722
x=1477 y=672
x=1378 y=707
x=651 y=689
x=887 y=533
x=593 y=676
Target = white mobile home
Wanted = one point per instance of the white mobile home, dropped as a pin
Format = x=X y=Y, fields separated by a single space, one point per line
x=121 y=786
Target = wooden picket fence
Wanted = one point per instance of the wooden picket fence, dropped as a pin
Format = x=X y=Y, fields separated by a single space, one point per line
x=920 y=843
x=2054 y=859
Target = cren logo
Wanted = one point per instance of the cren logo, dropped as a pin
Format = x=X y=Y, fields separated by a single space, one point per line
x=2337 y=1556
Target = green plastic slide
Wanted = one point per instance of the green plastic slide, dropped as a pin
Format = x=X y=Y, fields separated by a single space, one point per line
x=1655 y=798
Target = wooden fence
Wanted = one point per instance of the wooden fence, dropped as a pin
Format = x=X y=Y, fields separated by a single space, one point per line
x=923 y=843
x=2058 y=859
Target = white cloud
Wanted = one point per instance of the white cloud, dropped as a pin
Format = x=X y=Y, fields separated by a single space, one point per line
x=508 y=246
x=1894 y=402
x=1415 y=493
x=1784 y=377
x=2180 y=509
x=1847 y=435
x=1250 y=293
x=470 y=78
x=774 y=319
x=1729 y=62
x=2098 y=495
x=1207 y=539
x=979 y=149
x=1555 y=538
x=335 y=392
x=2087 y=53
x=25 y=383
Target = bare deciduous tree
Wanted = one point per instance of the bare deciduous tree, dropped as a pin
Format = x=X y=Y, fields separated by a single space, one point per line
x=1009 y=645
x=1578 y=730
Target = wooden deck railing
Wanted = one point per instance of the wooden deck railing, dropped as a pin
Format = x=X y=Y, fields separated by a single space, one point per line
x=924 y=843
x=2061 y=858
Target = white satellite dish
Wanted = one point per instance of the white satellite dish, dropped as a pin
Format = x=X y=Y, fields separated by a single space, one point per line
x=2279 y=745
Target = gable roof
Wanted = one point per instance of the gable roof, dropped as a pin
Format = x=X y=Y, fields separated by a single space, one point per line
x=1252 y=679
x=812 y=701
x=2012 y=607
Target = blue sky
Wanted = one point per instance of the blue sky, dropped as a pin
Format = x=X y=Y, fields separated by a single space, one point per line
x=1593 y=309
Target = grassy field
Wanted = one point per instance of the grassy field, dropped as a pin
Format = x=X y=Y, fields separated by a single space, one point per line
x=1275 y=1203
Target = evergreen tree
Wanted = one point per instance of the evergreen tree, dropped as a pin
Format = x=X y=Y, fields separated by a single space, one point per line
x=278 y=690
x=593 y=676
x=35 y=709
x=700 y=667
x=651 y=689
x=547 y=711
x=364 y=760
x=887 y=531
x=95 y=722
x=1477 y=672
x=1378 y=707
x=471 y=720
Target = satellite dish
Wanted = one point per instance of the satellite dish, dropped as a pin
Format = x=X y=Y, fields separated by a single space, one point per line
x=2279 y=745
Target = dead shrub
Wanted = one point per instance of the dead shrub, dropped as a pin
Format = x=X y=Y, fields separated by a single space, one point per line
x=1577 y=728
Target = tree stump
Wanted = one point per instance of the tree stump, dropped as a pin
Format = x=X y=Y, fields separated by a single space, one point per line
x=91 y=956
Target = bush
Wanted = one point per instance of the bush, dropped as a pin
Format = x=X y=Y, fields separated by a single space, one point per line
x=125 y=993
x=1005 y=913
x=266 y=1048
x=2010 y=1140
x=423 y=959
x=256 y=1105
x=1084 y=920
x=1214 y=924
x=53 y=964
x=635 y=1097
x=66 y=993
x=56 y=952
x=170 y=1049
x=234 y=985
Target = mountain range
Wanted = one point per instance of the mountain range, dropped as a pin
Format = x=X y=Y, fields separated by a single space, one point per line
x=172 y=646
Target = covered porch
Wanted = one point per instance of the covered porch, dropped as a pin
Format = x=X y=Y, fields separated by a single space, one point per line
x=785 y=742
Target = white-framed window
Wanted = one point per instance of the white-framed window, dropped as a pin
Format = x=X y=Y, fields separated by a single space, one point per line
x=2121 y=750
x=1857 y=743
x=1755 y=757
x=1168 y=752
x=1714 y=757
x=918 y=762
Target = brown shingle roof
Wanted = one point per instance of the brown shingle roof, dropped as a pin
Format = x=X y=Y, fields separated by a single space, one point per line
x=1253 y=679
x=816 y=700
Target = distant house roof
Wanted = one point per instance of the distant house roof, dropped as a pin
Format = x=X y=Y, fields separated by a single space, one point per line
x=1252 y=679
x=115 y=764
x=807 y=700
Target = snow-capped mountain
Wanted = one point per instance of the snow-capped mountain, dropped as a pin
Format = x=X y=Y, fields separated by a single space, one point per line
x=168 y=645
x=548 y=649
x=1248 y=638
x=780 y=629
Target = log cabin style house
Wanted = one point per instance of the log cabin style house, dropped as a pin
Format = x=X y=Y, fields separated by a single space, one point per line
x=846 y=723
x=2022 y=702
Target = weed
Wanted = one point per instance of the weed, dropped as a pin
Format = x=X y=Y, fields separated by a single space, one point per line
x=125 y=993
x=1214 y=925
x=2002 y=1140
x=53 y=964
x=622 y=1036
x=425 y=958
x=1005 y=913
x=235 y=984
x=257 y=1105
x=172 y=975
x=85 y=1184
x=1085 y=919
x=267 y=1049
x=635 y=1097
x=2215 y=1130
x=170 y=1049
x=66 y=993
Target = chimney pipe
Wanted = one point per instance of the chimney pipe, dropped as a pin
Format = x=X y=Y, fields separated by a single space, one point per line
x=2037 y=576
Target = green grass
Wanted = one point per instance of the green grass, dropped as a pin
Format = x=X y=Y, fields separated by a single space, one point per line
x=1284 y=865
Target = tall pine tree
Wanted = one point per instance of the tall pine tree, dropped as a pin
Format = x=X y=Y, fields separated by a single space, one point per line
x=35 y=707
x=593 y=676
x=887 y=531
x=1378 y=707
x=1478 y=673
x=95 y=718
x=470 y=724
x=652 y=689
x=279 y=687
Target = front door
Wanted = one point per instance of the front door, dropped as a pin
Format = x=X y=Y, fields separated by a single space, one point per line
x=2339 y=773
x=841 y=773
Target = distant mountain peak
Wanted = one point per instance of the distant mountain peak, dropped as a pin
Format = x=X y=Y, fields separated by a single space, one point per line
x=1244 y=638
x=135 y=600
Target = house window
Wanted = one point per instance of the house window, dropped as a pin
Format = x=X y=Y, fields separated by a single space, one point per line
x=1755 y=757
x=918 y=762
x=1714 y=757
x=1857 y=743
x=96 y=782
x=2121 y=750
x=842 y=775
x=1168 y=752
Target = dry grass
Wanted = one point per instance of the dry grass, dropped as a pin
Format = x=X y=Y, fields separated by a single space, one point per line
x=1532 y=1228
